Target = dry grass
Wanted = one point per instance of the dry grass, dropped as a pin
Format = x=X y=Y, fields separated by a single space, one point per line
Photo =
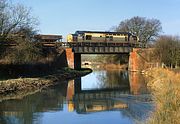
x=165 y=85
x=114 y=66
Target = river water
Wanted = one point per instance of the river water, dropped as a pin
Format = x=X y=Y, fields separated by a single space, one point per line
x=102 y=97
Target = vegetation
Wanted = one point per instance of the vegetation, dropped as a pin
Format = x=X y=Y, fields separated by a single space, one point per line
x=17 y=26
x=26 y=52
x=15 y=20
x=113 y=78
x=166 y=91
x=112 y=59
x=167 y=50
x=107 y=59
x=146 y=29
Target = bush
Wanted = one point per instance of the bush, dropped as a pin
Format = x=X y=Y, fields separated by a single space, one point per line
x=25 y=52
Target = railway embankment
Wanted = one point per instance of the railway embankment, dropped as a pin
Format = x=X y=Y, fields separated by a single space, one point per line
x=18 y=88
x=165 y=85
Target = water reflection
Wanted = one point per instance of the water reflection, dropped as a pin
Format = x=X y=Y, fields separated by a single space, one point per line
x=113 y=79
x=137 y=83
x=94 y=100
x=23 y=111
x=100 y=92
x=102 y=79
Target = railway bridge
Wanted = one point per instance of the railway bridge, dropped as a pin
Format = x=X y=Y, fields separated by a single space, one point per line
x=79 y=48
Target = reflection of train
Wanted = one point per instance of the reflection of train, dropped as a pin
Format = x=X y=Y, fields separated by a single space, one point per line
x=97 y=36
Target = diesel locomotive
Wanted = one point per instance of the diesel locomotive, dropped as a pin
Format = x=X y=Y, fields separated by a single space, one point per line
x=100 y=36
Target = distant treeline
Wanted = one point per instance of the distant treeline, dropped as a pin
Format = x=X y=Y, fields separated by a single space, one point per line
x=167 y=50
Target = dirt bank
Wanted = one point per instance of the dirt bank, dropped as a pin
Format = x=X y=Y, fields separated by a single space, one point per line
x=18 y=88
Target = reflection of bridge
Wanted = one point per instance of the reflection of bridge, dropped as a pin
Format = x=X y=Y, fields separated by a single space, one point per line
x=97 y=100
x=77 y=89
x=85 y=101
x=97 y=105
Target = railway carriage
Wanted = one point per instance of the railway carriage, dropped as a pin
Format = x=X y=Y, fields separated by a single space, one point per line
x=98 y=36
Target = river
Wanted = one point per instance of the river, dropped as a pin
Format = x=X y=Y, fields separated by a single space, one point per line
x=102 y=97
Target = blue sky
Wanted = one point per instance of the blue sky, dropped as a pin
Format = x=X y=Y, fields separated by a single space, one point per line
x=67 y=16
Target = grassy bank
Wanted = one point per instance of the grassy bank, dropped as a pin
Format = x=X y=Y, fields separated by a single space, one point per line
x=114 y=66
x=165 y=85
x=107 y=66
x=18 y=88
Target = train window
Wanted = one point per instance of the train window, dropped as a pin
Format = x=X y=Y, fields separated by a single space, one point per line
x=111 y=38
x=88 y=37
x=75 y=38
x=125 y=38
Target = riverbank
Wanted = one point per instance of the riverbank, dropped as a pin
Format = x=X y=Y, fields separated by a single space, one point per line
x=18 y=88
x=165 y=85
x=108 y=66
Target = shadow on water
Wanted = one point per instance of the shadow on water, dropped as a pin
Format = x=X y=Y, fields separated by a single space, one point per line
x=99 y=92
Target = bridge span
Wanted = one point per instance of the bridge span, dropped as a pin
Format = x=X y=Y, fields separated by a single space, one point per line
x=79 y=48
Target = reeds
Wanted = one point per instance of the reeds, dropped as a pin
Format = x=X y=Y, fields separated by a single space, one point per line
x=166 y=93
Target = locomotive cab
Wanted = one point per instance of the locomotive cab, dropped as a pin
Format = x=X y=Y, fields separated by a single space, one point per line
x=72 y=38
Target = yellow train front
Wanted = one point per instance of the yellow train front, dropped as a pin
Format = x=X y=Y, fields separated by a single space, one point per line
x=98 y=36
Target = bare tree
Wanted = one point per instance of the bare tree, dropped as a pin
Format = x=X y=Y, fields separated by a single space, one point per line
x=17 y=24
x=167 y=50
x=15 y=20
x=145 y=29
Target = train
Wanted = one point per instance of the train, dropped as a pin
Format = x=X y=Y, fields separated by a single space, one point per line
x=100 y=36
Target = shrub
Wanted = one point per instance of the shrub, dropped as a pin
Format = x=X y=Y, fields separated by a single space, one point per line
x=25 y=52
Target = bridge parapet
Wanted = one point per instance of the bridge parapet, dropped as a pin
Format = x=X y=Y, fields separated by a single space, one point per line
x=102 y=47
x=101 y=50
